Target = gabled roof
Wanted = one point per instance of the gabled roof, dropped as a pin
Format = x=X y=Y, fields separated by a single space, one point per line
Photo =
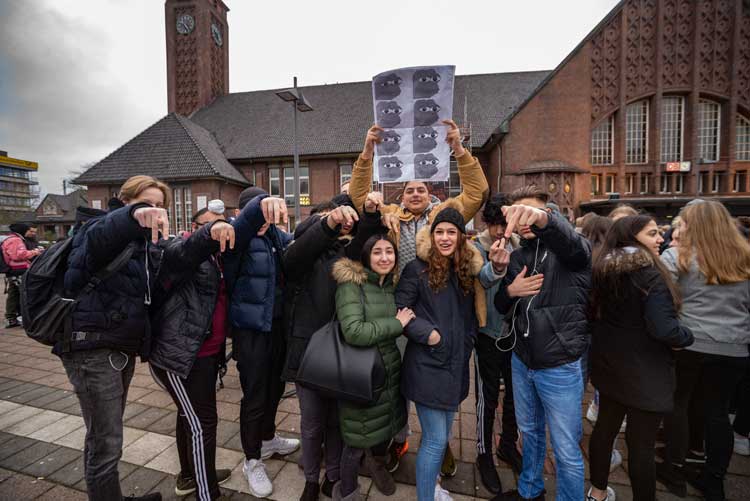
x=67 y=204
x=252 y=125
x=171 y=149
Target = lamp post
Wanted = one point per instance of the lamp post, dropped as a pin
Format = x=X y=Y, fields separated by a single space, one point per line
x=299 y=103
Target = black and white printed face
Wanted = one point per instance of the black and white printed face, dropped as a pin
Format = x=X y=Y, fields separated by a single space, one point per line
x=387 y=86
x=389 y=168
x=425 y=166
x=425 y=112
x=390 y=143
x=424 y=139
x=389 y=114
x=426 y=83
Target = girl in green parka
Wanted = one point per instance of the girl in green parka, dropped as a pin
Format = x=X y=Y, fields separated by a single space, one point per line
x=366 y=309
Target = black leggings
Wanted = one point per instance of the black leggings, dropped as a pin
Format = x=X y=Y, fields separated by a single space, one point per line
x=640 y=437
x=350 y=459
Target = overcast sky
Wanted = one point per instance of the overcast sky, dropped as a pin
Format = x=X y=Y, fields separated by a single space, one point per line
x=78 y=78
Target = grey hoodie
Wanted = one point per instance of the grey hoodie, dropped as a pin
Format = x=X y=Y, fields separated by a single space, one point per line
x=718 y=315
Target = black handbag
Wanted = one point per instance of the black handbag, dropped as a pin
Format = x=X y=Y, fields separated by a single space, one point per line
x=339 y=370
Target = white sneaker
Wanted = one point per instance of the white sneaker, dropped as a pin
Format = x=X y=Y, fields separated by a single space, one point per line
x=441 y=494
x=741 y=445
x=615 y=460
x=592 y=414
x=610 y=495
x=278 y=445
x=257 y=479
x=624 y=425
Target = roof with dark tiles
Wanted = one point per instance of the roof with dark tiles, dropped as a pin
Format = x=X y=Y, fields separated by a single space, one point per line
x=253 y=125
x=171 y=149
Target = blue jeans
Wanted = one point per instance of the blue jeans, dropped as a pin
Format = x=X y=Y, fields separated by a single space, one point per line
x=436 y=427
x=552 y=397
x=101 y=378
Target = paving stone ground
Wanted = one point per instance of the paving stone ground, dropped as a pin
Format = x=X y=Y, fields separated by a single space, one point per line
x=41 y=439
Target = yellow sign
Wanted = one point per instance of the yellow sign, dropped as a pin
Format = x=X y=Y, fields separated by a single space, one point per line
x=17 y=162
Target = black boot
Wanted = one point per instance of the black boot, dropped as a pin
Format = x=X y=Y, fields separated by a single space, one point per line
x=672 y=478
x=311 y=492
x=488 y=473
x=508 y=453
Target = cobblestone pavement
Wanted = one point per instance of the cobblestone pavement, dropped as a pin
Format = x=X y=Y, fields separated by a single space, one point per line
x=41 y=439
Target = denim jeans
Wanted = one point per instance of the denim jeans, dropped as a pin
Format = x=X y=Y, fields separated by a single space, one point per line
x=552 y=397
x=436 y=428
x=101 y=378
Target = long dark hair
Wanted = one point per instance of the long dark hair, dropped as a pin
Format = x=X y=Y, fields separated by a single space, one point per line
x=370 y=243
x=607 y=283
x=595 y=230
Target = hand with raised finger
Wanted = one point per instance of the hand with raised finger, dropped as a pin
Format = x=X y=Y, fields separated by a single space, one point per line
x=523 y=286
x=373 y=201
x=223 y=232
x=274 y=210
x=453 y=138
x=154 y=218
x=371 y=139
x=391 y=222
x=523 y=215
x=499 y=256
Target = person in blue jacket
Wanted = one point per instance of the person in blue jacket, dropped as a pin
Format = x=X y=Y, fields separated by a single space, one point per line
x=256 y=283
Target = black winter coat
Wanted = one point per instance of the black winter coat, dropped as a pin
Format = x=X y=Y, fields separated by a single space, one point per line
x=437 y=376
x=631 y=348
x=311 y=290
x=551 y=328
x=188 y=286
x=114 y=314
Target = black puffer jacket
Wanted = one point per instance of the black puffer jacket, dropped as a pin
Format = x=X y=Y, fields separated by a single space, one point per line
x=115 y=314
x=311 y=290
x=551 y=328
x=631 y=348
x=437 y=376
x=188 y=285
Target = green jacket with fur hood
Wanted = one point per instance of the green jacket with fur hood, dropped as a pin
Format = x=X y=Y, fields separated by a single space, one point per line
x=370 y=323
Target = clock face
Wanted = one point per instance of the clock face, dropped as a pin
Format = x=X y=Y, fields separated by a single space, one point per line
x=216 y=34
x=185 y=24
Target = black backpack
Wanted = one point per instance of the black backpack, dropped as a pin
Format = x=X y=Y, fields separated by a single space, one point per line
x=45 y=305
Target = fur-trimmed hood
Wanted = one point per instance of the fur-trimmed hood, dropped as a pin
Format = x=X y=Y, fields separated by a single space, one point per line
x=346 y=270
x=627 y=260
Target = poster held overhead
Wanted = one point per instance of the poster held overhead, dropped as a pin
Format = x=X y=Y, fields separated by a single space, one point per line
x=411 y=104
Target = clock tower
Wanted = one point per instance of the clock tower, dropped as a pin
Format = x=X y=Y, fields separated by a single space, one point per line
x=197 y=53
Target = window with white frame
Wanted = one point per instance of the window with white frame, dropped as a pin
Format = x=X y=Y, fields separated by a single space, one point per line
x=740 y=181
x=454 y=180
x=672 y=120
x=645 y=183
x=274 y=182
x=179 y=216
x=611 y=183
x=595 y=183
x=188 y=202
x=636 y=133
x=630 y=180
x=664 y=187
x=345 y=172
x=304 y=185
x=709 y=118
x=679 y=182
x=602 y=142
x=742 y=142
x=181 y=210
x=289 y=185
x=717 y=182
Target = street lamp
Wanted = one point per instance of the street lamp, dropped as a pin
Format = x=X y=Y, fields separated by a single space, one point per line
x=299 y=103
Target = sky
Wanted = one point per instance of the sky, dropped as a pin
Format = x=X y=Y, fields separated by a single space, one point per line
x=79 y=78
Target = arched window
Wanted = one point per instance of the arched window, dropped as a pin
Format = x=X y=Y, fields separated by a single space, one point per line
x=709 y=118
x=636 y=133
x=602 y=142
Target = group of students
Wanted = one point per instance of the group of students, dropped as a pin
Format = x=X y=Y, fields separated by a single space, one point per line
x=527 y=296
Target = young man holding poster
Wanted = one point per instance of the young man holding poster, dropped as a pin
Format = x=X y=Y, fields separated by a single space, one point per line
x=406 y=219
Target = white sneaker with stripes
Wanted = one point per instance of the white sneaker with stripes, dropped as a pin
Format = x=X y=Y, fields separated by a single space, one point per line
x=278 y=445
x=257 y=479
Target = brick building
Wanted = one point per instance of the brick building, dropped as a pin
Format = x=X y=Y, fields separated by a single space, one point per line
x=657 y=84
x=19 y=189
x=56 y=214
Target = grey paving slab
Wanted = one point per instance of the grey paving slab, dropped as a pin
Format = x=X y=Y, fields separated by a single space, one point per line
x=225 y=431
x=146 y=418
x=141 y=481
x=62 y=404
x=33 y=394
x=70 y=474
x=25 y=457
x=23 y=487
x=165 y=425
x=45 y=400
x=62 y=493
x=20 y=389
x=15 y=445
x=8 y=384
x=49 y=464
x=132 y=409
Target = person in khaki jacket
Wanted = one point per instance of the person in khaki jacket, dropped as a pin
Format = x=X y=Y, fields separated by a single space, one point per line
x=404 y=220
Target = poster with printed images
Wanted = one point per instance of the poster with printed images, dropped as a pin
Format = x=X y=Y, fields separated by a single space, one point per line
x=411 y=104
